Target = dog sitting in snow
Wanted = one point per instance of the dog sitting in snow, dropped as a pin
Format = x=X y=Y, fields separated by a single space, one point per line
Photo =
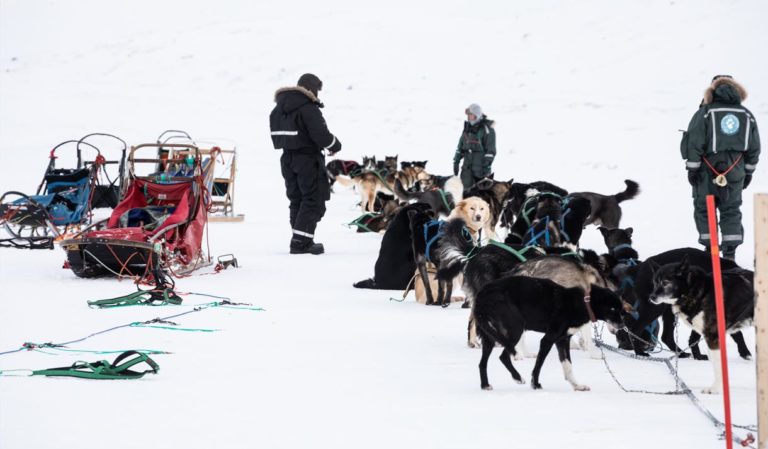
x=690 y=291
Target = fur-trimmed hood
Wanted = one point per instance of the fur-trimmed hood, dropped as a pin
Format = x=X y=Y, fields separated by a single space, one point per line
x=294 y=97
x=725 y=90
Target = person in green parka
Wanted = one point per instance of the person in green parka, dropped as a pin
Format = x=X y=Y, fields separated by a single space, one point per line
x=721 y=148
x=477 y=147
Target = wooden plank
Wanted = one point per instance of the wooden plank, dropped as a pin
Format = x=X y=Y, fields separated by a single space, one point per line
x=226 y=219
x=761 y=315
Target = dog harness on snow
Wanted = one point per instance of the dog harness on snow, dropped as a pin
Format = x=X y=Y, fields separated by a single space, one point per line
x=364 y=220
x=104 y=370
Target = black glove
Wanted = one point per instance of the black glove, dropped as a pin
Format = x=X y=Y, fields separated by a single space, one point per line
x=747 y=180
x=693 y=177
x=455 y=169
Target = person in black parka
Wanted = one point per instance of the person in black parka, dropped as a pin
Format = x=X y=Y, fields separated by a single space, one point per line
x=299 y=130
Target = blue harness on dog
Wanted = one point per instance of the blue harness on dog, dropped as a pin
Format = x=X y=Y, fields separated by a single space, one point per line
x=435 y=227
x=630 y=261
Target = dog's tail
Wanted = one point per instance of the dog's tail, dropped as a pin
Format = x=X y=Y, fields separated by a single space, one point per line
x=630 y=192
x=343 y=180
x=453 y=250
x=402 y=193
x=454 y=186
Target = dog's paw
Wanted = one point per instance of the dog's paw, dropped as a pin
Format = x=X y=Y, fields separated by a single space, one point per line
x=518 y=357
x=597 y=355
x=466 y=305
x=578 y=387
x=473 y=344
x=711 y=390
x=531 y=355
x=535 y=385
x=642 y=354
x=747 y=357
x=683 y=355
x=487 y=388
x=701 y=357
x=520 y=381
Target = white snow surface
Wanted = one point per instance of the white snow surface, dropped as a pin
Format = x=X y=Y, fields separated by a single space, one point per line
x=585 y=94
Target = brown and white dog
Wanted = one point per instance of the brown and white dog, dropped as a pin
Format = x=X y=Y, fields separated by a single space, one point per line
x=476 y=213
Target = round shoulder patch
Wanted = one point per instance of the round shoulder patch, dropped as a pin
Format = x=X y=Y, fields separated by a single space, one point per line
x=729 y=125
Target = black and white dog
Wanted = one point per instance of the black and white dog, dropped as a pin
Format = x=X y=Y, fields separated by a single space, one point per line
x=605 y=208
x=642 y=287
x=690 y=291
x=507 y=307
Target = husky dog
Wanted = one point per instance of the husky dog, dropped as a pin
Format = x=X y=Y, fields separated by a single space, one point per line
x=570 y=274
x=367 y=181
x=487 y=264
x=426 y=236
x=605 y=208
x=690 y=291
x=642 y=287
x=509 y=306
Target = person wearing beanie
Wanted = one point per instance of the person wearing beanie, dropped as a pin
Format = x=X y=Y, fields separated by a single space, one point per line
x=299 y=130
x=721 y=148
x=477 y=147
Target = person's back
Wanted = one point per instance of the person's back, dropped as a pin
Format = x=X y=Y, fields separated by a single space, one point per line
x=299 y=130
x=721 y=149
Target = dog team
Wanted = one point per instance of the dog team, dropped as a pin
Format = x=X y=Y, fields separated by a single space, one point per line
x=444 y=230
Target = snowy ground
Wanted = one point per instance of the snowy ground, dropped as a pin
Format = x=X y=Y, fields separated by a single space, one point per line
x=585 y=94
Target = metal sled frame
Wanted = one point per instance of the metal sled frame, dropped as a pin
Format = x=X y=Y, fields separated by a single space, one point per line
x=30 y=223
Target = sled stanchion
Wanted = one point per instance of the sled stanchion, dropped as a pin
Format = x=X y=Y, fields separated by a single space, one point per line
x=761 y=315
x=718 y=280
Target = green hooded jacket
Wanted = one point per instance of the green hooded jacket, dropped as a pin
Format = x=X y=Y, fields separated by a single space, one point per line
x=477 y=146
x=722 y=133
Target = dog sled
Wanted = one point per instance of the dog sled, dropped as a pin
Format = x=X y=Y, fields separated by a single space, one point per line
x=222 y=188
x=160 y=221
x=65 y=198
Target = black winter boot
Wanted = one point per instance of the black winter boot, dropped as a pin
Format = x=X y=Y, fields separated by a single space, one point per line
x=306 y=246
x=729 y=252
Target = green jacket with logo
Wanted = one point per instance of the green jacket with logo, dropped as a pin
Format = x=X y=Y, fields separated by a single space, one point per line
x=721 y=132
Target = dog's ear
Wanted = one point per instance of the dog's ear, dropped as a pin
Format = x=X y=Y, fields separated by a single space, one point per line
x=629 y=232
x=511 y=181
x=684 y=265
x=603 y=230
x=654 y=266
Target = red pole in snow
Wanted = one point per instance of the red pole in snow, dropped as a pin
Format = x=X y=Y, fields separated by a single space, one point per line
x=718 y=280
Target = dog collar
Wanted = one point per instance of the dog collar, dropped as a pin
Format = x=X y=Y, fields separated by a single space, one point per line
x=620 y=247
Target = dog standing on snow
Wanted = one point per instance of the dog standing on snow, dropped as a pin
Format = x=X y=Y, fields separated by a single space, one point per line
x=690 y=291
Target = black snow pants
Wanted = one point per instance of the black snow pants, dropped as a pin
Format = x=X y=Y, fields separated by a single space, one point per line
x=307 y=188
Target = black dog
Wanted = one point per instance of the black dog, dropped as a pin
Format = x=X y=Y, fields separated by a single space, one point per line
x=573 y=219
x=605 y=208
x=690 y=291
x=507 y=307
x=427 y=238
x=338 y=167
x=395 y=265
x=642 y=288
